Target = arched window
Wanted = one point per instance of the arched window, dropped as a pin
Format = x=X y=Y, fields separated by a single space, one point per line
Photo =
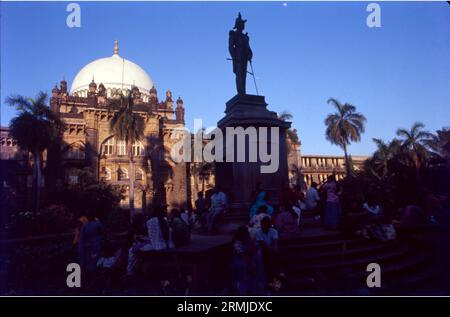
x=74 y=153
x=138 y=149
x=109 y=147
x=121 y=148
x=122 y=174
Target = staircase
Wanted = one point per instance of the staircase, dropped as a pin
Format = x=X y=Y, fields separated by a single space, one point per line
x=322 y=262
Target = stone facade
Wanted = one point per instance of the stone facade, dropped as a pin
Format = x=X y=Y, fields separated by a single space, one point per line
x=180 y=182
x=15 y=169
x=316 y=168
x=88 y=141
x=8 y=146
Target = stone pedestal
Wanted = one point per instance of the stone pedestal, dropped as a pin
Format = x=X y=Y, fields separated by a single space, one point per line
x=239 y=179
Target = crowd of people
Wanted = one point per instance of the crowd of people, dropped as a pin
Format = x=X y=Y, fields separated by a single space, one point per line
x=254 y=263
x=255 y=266
x=161 y=231
x=210 y=208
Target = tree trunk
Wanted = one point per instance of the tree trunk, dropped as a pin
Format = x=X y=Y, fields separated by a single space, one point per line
x=347 y=163
x=385 y=168
x=38 y=180
x=194 y=167
x=144 y=201
x=131 y=177
x=417 y=167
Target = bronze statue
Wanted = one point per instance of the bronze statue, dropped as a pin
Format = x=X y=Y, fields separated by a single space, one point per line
x=241 y=53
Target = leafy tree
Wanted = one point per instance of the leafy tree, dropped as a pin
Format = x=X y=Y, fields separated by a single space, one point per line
x=89 y=194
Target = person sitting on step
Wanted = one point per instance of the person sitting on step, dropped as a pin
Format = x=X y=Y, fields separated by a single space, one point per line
x=286 y=222
x=218 y=208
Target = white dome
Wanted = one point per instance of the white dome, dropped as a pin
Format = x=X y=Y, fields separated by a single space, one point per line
x=113 y=72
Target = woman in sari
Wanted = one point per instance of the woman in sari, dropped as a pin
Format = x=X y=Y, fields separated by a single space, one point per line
x=261 y=200
x=247 y=272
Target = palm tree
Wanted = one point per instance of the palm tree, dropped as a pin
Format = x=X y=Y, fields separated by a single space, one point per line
x=344 y=126
x=128 y=126
x=34 y=128
x=382 y=156
x=439 y=144
x=291 y=134
x=415 y=143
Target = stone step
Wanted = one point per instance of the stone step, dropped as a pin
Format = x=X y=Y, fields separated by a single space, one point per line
x=405 y=274
x=410 y=271
x=235 y=215
x=316 y=235
x=318 y=266
x=321 y=246
x=301 y=257
x=310 y=224
x=349 y=261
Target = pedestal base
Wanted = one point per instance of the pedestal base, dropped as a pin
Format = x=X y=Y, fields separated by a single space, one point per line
x=239 y=179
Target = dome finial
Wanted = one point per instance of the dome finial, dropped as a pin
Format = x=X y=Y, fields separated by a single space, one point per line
x=116 y=47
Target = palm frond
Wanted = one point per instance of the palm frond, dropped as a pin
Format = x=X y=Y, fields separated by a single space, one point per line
x=403 y=133
x=20 y=102
x=348 y=108
x=285 y=116
x=335 y=103
x=416 y=127
x=36 y=126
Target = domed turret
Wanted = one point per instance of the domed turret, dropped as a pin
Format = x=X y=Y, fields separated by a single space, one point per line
x=115 y=72
x=153 y=91
x=55 y=91
x=179 y=111
x=102 y=90
x=92 y=88
x=63 y=89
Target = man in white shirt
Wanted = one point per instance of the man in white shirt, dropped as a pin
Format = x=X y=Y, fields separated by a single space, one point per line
x=218 y=208
x=312 y=197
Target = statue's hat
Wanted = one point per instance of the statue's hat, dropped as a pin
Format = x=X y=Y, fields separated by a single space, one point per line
x=239 y=21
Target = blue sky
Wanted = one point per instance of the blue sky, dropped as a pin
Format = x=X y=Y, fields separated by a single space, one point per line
x=304 y=53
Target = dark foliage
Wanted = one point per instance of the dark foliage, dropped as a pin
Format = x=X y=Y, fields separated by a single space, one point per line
x=89 y=195
x=412 y=171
